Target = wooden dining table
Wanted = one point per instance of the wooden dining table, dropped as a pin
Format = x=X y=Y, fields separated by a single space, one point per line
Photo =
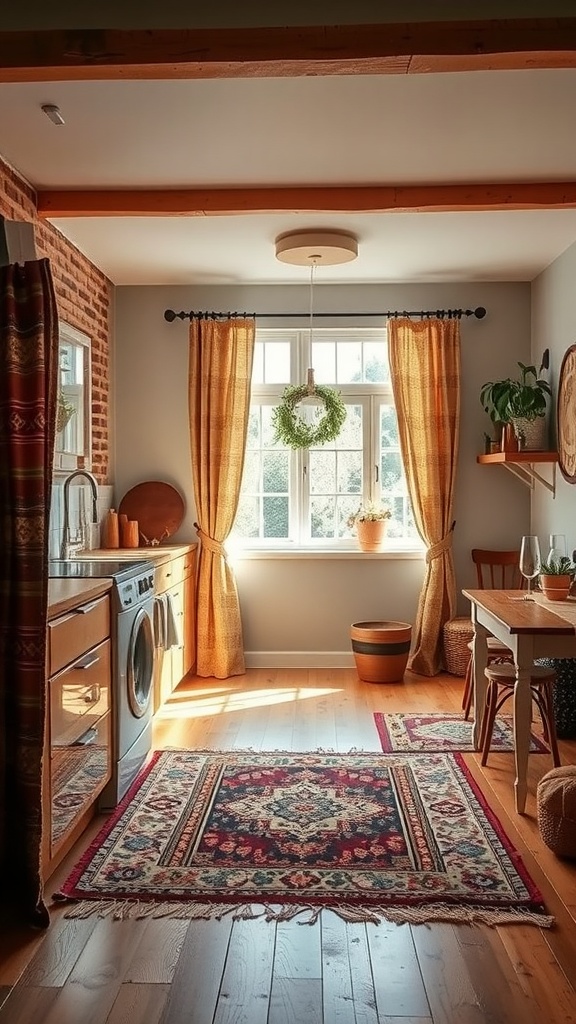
x=532 y=628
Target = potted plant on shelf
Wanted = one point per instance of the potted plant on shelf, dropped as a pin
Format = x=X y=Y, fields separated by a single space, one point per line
x=556 y=578
x=519 y=407
x=369 y=522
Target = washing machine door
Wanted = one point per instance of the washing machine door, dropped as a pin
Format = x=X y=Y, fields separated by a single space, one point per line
x=140 y=663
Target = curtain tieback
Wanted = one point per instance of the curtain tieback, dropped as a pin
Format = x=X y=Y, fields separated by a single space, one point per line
x=208 y=542
x=438 y=549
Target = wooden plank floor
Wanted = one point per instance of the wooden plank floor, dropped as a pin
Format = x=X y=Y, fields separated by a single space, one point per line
x=230 y=972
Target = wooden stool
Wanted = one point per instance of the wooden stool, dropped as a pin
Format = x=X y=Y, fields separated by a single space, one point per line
x=497 y=653
x=501 y=681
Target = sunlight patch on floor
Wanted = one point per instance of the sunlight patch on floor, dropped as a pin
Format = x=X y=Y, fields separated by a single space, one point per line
x=216 y=704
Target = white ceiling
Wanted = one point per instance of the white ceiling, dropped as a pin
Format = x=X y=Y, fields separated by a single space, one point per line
x=472 y=127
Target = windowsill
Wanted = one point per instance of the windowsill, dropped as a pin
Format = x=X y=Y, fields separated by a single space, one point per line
x=247 y=554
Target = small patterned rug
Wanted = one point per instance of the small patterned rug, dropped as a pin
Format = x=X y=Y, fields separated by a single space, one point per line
x=440 y=732
x=205 y=833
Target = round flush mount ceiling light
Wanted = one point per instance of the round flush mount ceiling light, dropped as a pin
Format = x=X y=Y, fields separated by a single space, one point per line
x=310 y=248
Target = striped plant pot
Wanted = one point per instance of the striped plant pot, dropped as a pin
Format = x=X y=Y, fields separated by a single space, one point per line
x=381 y=650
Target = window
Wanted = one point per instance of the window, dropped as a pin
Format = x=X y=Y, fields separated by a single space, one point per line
x=72 y=442
x=299 y=499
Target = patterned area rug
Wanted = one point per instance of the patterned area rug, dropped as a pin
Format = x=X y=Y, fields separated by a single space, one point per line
x=439 y=732
x=206 y=833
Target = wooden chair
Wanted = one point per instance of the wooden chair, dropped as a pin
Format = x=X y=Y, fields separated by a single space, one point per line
x=501 y=681
x=495 y=570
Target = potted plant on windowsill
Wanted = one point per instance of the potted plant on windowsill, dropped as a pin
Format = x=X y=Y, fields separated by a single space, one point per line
x=556 y=578
x=519 y=406
x=369 y=521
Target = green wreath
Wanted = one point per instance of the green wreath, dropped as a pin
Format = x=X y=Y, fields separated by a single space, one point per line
x=292 y=430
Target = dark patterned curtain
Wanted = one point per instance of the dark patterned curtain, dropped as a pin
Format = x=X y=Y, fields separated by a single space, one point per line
x=28 y=383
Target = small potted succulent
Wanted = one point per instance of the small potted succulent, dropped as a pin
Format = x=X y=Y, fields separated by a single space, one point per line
x=556 y=578
x=369 y=522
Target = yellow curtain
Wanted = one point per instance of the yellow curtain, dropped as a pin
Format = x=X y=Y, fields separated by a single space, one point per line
x=425 y=374
x=220 y=370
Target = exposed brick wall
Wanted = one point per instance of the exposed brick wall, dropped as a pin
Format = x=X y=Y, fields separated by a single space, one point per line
x=84 y=298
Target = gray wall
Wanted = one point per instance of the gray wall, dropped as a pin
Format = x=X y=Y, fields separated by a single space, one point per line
x=554 y=327
x=298 y=610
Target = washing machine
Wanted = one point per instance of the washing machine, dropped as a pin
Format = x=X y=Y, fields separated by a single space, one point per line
x=133 y=653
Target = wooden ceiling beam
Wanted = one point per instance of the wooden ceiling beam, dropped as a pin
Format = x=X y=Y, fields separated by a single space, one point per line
x=393 y=48
x=205 y=202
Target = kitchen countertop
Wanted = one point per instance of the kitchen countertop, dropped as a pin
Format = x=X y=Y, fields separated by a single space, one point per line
x=64 y=594
x=155 y=553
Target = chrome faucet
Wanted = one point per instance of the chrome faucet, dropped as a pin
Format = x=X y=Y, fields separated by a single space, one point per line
x=67 y=547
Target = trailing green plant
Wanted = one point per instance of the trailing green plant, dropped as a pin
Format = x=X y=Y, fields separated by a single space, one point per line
x=563 y=566
x=294 y=431
x=522 y=398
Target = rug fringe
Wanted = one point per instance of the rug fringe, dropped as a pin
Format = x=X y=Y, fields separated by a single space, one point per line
x=123 y=910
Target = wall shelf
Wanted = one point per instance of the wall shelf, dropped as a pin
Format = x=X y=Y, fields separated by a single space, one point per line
x=523 y=466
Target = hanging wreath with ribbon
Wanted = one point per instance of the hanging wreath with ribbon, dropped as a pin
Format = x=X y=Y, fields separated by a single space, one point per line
x=291 y=429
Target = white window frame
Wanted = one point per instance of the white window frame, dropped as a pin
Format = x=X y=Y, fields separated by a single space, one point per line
x=372 y=396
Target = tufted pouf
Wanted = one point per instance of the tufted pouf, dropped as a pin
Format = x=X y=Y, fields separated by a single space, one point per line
x=457 y=634
x=556 y=804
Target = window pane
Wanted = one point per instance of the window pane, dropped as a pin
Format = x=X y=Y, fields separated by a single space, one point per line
x=351 y=434
x=277 y=362
x=251 y=476
x=376 y=368
x=253 y=434
x=275 y=471
x=322 y=517
x=267 y=428
x=349 y=355
x=324 y=362
x=322 y=472
x=247 y=522
x=276 y=517
x=258 y=364
x=393 y=487
x=349 y=480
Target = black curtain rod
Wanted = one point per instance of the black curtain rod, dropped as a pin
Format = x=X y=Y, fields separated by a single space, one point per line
x=440 y=314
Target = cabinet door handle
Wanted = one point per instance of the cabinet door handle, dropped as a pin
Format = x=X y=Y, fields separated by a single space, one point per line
x=85 y=608
x=88 y=737
x=88 y=662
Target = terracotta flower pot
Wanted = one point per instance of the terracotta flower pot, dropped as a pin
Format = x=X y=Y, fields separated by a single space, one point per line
x=371 y=534
x=381 y=650
x=555 y=588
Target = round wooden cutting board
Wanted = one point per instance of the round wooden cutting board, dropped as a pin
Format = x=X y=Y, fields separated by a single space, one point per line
x=158 y=507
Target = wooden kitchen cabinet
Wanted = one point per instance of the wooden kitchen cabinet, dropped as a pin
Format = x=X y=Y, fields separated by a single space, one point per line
x=79 y=732
x=175 y=581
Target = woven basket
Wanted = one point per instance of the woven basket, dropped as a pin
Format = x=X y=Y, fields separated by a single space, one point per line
x=457 y=635
x=556 y=807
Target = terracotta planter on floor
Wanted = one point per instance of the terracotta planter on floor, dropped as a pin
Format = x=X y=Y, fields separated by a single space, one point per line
x=381 y=650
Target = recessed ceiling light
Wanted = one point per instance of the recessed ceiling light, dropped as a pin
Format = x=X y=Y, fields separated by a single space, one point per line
x=53 y=112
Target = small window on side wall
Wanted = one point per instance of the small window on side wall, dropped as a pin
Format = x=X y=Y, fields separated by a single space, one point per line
x=73 y=445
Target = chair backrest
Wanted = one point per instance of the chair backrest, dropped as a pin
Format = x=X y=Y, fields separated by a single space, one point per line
x=498 y=570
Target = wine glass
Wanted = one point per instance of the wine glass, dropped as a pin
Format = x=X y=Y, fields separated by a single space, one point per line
x=530 y=561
